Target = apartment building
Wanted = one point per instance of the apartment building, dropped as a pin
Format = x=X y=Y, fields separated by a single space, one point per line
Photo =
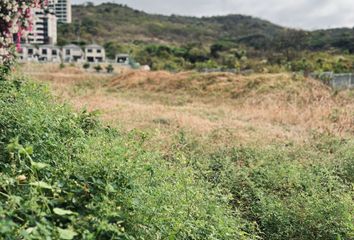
x=62 y=10
x=44 y=30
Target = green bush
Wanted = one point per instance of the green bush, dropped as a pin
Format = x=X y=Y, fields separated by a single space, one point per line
x=286 y=198
x=109 y=68
x=65 y=176
x=98 y=68
x=282 y=193
x=61 y=65
x=86 y=66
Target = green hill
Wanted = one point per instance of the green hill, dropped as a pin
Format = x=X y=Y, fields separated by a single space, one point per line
x=229 y=42
x=113 y=22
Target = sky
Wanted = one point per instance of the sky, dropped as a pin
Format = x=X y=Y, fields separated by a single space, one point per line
x=305 y=14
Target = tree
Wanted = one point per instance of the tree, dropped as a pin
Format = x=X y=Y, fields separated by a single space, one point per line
x=291 y=42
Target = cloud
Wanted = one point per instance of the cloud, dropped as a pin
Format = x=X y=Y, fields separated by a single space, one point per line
x=307 y=14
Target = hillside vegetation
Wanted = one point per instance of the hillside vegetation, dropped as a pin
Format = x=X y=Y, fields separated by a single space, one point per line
x=238 y=42
x=179 y=155
x=119 y=23
x=64 y=175
x=113 y=22
x=139 y=183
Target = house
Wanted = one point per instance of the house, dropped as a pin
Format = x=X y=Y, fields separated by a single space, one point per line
x=28 y=53
x=49 y=53
x=72 y=53
x=95 y=53
x=123 y=59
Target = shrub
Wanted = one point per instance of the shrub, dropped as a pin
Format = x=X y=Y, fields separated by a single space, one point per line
x=109 y=68
x=282 y=193
x=98 y=68
x=86 y=66
x=287 y=200
x=65 y=176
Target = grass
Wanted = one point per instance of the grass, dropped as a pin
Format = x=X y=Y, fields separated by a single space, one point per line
x=255 y=109
x=274 y=163
x=65 y=176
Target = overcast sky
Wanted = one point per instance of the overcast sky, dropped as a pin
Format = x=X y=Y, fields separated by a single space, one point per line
x=307 y=14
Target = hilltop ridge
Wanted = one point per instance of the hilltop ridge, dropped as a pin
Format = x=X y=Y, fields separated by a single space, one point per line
x=115 y=22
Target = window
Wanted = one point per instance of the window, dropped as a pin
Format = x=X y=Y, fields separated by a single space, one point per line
x=98 y=50
x=30 y=51
x=44 y=51
x=89 y=50
x=67 y=51
x=54 y=52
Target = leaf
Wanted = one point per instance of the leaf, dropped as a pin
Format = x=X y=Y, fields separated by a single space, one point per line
x=41 y=184
x=29 y=150
x=39 y=166
x=63 y=212
x=67 y=234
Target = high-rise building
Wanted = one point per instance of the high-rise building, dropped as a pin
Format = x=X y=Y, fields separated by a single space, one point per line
x=62 y=9
x=44 y=28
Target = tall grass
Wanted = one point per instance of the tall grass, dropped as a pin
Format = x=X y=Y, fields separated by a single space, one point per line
x=65 y=176
x=287 y=192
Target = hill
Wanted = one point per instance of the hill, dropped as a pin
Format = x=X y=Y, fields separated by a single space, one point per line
x=109 y=22
x=114 y=22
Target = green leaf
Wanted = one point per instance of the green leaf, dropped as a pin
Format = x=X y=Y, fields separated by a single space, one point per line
x=67 y=234
x=41 y=184
x=39 y=166
x=29 y=150
x=63 y=212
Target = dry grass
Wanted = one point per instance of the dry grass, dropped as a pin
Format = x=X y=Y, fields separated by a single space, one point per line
x=218 y=108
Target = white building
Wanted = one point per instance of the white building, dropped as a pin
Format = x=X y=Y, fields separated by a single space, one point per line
x=49 y=53
x=95 y=53
x=72 y=53
x=28 y=53
x=44 y=28
x=62 y=10
x=123 y=59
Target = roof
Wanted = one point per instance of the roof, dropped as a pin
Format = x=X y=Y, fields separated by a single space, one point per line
x=94 y=46
x=49 y=46
x=122 y=55
x=72 y=46
x=26 y=45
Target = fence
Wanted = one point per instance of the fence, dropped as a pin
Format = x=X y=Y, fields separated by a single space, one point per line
x=338 y=81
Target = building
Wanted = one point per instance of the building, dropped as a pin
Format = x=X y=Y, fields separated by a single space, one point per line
x=44 y=28
x=123 y=59
x=62 y=10
x=28 y=53
x=95 y=53
x=72 y=53
x=49 y=53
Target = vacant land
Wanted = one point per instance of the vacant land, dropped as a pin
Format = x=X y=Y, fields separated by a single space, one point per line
x=219 y=107
x=197 y=156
